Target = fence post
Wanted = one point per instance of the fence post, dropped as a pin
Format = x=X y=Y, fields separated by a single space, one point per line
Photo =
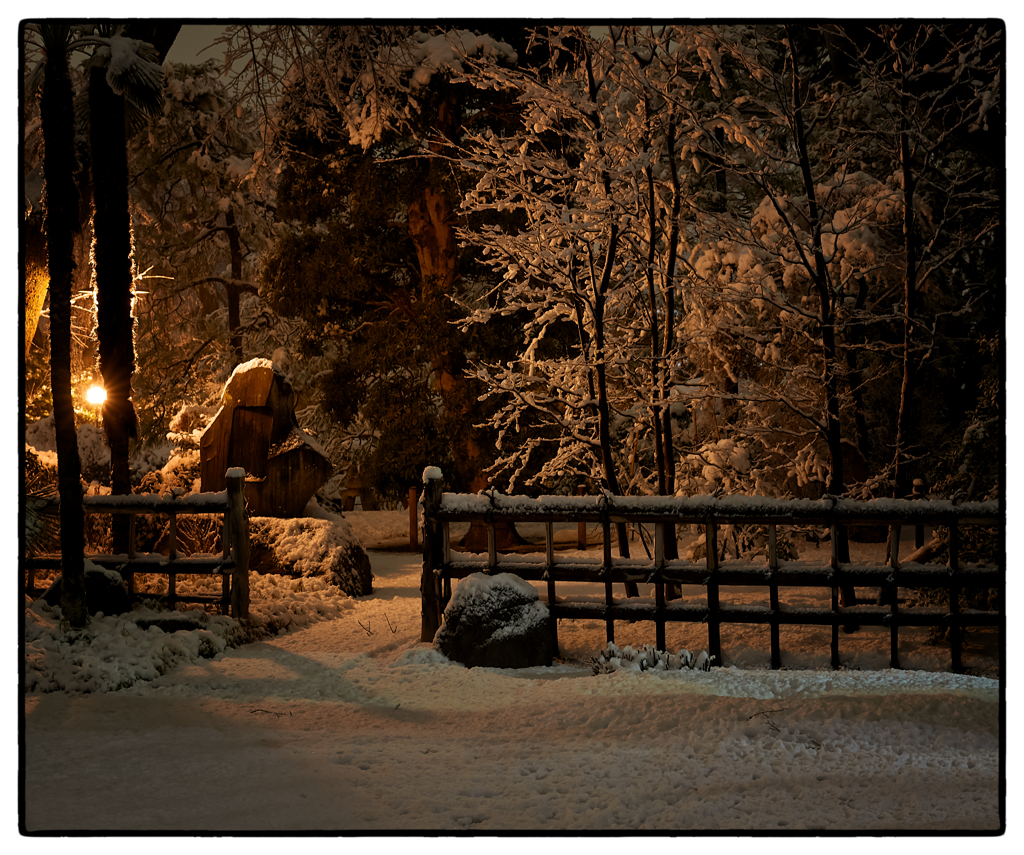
x=414 y=536
x=238 y=532
x=433 y=555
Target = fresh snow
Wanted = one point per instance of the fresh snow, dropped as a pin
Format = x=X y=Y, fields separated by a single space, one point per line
x=345 y=722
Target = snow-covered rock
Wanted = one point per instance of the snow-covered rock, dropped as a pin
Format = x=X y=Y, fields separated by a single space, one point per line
x=496 y=622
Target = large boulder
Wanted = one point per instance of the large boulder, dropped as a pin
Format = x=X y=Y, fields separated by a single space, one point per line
x=105 y=591
x=305 y=546
x=496 y=622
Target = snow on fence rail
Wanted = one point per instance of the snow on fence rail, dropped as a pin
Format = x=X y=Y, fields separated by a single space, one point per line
x=440 y=566
x=232 y=566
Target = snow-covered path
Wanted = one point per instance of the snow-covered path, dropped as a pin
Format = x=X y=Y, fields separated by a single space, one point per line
x=345 y=725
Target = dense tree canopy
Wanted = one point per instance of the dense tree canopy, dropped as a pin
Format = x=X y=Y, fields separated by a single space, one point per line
x=683 y=258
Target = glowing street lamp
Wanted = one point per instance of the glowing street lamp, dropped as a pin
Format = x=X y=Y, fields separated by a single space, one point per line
x=96 y=396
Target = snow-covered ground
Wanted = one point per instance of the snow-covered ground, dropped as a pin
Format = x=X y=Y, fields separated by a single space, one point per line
x=345 y=722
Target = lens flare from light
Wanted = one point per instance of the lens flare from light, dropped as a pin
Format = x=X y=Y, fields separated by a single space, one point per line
x=96 y=395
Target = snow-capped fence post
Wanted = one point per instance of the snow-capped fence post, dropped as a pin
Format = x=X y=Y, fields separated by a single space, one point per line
x=237 y=525
x=433 y=555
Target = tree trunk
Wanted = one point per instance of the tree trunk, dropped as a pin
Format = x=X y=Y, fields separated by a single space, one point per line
x=603 y=409
x=60 y=225
x=112 y=251
x=432 y=229
x=854 y=381
x=233 y=290
x=826 y=322
x=599 y=290
x=900 y=487
x=667 y=376
x=661 y=371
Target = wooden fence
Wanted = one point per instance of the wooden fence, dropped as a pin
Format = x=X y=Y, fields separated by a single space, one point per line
x=232 y=565
x=441 y=564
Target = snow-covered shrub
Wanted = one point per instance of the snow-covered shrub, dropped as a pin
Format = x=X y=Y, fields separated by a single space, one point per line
x=279 y=604
x=93 y=452
x=92 y=447
x=114 y=652
x=306 y=547
x=178 y=475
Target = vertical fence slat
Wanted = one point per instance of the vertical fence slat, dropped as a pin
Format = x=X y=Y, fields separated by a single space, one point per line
x=955 y=635
x=894 y=617
x=172 y=553
x=492 y=547
x=659 y=586
x=711 y=555
x=609 y=601
x=834 y=561
x=549 y=550
x=225 y=579
x=445 y=582
x=128 y=574
x=581 y=528
x=773 y=594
